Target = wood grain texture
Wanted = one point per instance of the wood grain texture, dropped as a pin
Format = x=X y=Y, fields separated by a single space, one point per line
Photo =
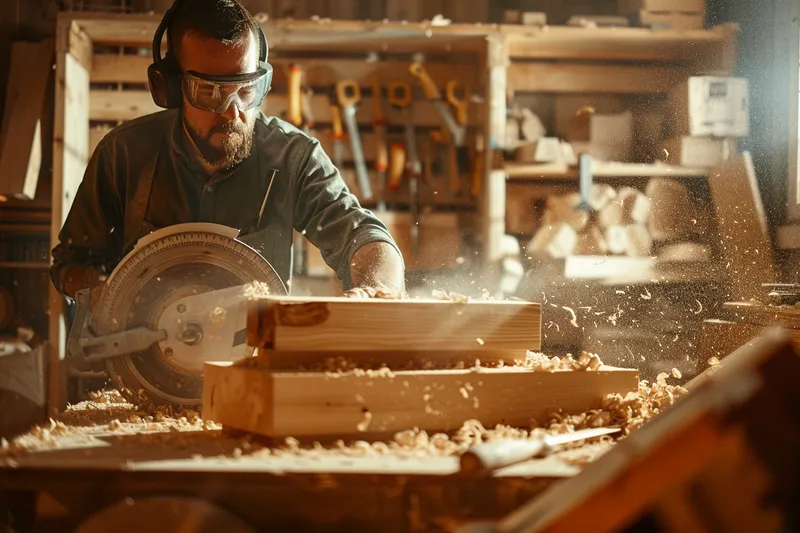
x=314 y=404
x=344 y=324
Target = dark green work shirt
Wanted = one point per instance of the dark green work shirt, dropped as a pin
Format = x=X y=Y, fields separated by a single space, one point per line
x=111 y=212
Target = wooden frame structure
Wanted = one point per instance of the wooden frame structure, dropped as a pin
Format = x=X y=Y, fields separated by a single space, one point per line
x=515 y=58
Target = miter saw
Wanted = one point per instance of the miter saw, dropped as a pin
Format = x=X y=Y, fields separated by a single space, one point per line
x=177 y=300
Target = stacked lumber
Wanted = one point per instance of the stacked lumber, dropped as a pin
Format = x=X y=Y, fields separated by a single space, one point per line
x=664 y=220
x=673 y=14
x=337 y=367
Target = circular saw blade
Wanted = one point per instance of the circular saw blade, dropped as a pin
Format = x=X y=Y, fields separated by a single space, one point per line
x=179 y=261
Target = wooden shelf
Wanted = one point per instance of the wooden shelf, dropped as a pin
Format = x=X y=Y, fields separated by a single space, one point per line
x=25 y=265
x=533 y=172
x=525 y=42
x=618 y=44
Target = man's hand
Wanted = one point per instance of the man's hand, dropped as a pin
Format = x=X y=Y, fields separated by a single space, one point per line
x=87 y=277
x=377 y=271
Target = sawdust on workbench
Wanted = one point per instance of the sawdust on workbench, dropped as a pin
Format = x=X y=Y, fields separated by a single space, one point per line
x=108 y=414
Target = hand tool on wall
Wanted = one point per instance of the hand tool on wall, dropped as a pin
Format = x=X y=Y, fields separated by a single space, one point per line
x=485 y=458
x=459 y=100
x=379 y=127
x=337 y=134
x=397 y=166
x=457 y=132
x=585 y=183
x=307 y=110
x=294 y=107
x=477 y=165
x=401 y=98
x=348 y=94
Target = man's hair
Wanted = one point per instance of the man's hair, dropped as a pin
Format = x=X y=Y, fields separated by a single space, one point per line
x=226 y=21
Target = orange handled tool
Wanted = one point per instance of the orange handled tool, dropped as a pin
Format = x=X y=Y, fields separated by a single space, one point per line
x=294 y=104
x=397 y=164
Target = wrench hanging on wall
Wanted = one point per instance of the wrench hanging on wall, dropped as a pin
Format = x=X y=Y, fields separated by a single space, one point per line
x=348 y=93
x=457 y=132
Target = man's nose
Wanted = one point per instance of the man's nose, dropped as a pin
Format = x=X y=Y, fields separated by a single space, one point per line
x=232 y=111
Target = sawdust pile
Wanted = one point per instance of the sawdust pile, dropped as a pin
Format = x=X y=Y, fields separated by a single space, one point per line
x=108 y=414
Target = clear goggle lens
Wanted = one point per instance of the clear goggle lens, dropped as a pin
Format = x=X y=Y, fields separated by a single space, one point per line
x=216 y=94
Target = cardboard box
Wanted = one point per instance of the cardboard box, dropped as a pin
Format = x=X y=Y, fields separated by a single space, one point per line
x=697 y=152
x=565 y=106
x=710 y=106
x=627 y=7
x=605 y=137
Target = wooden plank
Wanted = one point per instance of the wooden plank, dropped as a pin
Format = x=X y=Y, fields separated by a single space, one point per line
x=127 y=105
x=332 y=324
x=114 y=68
x=558 y=171
x=21 y=149
x=677 y=21
x=713 y=49
x=690 y=6
x=743 y=228
x=315 y=404
x=70 y=157
x=593 y=78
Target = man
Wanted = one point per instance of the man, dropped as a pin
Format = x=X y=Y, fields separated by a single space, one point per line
x=219 y=166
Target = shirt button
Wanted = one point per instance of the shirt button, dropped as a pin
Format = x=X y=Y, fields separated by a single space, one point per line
x=209 y=188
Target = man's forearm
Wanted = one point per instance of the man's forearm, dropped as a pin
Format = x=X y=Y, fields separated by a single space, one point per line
x=378 y=265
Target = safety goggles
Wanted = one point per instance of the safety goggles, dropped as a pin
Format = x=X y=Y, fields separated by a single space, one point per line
x=217 y=93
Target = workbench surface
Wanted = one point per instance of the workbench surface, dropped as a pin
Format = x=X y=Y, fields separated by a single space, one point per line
x=109 y=434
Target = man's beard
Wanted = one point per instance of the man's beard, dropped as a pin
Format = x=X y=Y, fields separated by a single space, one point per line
x=237 y=141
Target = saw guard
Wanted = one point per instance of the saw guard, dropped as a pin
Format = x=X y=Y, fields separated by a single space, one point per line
x=133 y=298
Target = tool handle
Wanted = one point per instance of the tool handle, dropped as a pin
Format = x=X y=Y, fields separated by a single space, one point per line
x=427 y=161
x=397 y=163
x=294 y=107
x=377 y=101
x=381 y=150
x=399 y=94
x=477 y=165
x=348 y=93
x=452 y=164
x=487 y=457
x=305 y=106
x=461 y=105
x=428 y=87
x=336 y=122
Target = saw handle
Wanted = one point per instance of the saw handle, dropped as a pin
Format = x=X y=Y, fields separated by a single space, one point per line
x=461 y=105
x=397 y=163
x=348 y=93
x=428 y=87
x=487 y=457
x=294 y=86
x=399 y=94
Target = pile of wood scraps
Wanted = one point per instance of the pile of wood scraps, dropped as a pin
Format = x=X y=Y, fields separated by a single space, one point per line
x=336 y=368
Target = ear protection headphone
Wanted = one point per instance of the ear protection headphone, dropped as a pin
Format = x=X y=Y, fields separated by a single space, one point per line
x=164 y=74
